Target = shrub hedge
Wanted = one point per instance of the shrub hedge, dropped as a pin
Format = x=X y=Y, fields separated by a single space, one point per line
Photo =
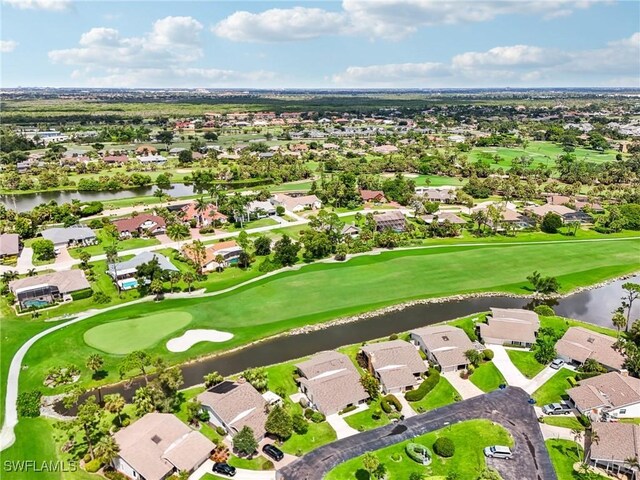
x=444 y=447
x=389 y=403
x=80 y=294
x=425 y=387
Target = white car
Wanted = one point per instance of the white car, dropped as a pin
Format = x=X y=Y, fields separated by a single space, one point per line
x=498 y=451
x=557 y=364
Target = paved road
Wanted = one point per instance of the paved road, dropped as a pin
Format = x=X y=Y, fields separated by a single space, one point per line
x=508 y=407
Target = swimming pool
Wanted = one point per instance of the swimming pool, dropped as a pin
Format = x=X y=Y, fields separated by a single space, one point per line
x=35 y=303
x=129 y=284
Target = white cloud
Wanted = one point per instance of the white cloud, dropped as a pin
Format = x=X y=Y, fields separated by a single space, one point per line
x=54 y=5
x=8 y=46
x=392 y=19
x=162 y=57
x=279 y=24
x=616 y=63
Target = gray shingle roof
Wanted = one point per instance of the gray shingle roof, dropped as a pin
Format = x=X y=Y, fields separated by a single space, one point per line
x=65 y=235
x=142 y=258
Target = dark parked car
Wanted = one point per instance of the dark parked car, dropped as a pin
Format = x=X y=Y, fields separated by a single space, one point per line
x=224 y=469
x=273 y=452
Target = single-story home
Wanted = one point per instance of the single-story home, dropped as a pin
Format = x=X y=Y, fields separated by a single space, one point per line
x=260 y=209
x=563 y=211
x=437 y=194
x=209 y=216
x=42 y=290
x=393 y=220
x=124 y=273
x=579 y=344
x=375 y=196
x=9 y=245
x=76 y=236
x=617 y=444
x=155 y=158
x=510 y=326
x=297 y=204
x=396 y=364
x=444 y=345
x=350 y=231
x=146 y=150
x=115 y=159
x=158 y=446
x=142 y=224
x=331 y=382
x=228 y=250
x=234 y=405
x=441 y=217
x=614 y=394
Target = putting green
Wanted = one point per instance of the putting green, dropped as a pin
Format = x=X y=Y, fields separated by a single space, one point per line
x=125 y=336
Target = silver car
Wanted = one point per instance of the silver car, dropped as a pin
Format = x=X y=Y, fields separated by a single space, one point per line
x=498 y=451
x=557 y=363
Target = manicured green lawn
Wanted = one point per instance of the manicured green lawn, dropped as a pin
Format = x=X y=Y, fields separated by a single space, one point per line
x=466 y=462
x=366 y=283
x=442 y=394
x=526 y=362
x=564 y=454
x=564 y=421
x=364 y=420
x=318 y=434
x=487 y=377
x=126 y=336
x=255 y=463
x=554 y=389
x=122 y=245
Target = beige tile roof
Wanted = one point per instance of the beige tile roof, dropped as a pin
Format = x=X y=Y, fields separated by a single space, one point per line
x=580 y=344
x=237 y=404
x=613 y=390
x=542 y=210
x=9 y=244
x=446 y=343
x=67 y=281
x=616 y=441
x=159 y=441
x=332 y=381
x=396 y=362
x=511 y=325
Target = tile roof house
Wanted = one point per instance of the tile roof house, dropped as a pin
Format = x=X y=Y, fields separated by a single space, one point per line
x=615 y=394
x=617 y=443
x=229 y=250
x=441 y=217
x=331 y=382
x=578 y=344
x=159 y=445
x=541 y=210
x=510 y=326
x=9 y=245
x=437 y=194
x=375 y=196
x=77 y=235
x=142 y=224
x=128 y=268
x=393 y=220
x=444 y=345
x=297 y=204
x=209 y=216
x=260 y=209
x=115 y=159
x=396 y=364
x=44 y=289
x=233 y=405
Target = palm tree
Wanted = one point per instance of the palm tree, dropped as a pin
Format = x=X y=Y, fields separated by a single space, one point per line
x=619 y=321
x=199 y=252
x=220 y=261
x=31 y=272
x=156 y=288
x=115 y=403
x=577 y=437
x=174 y=278
x=95 y=363
x=107 y=449
x=201 y=206
x=111 y=252
x=189 y=278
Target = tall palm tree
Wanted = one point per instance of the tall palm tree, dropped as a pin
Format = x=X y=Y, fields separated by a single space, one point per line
x=201 y=206
x=107 y=449
x=115 y=403
x=111 y=252
x=577 y=437
x=220 y=261
x=619 y=321
x=174 y=278
x=189 y=278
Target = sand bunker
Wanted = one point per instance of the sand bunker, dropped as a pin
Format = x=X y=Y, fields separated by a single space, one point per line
x=189 y=338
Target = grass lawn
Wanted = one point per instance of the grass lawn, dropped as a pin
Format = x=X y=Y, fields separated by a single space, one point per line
x=525 y=362
x=466 y=462
x=318 y=434
x=564 y=421
x=123 y=245
x=366 y=283
x=255 y=463
x=442 y=394
x=487 y=377
x=630 y=420
x=564 y=453
x=554 y=389
x=126 y=336
x=364 y=420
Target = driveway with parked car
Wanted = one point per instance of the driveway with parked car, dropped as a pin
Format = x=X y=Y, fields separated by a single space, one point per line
x=508 y=407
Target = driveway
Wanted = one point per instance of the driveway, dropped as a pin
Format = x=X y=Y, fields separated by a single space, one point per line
x=407 y=409
x=465 y=388
x=25 y=260
x=540 y=379
x=342 y=428
x=551 y=432
x=508 y=407
x=63 y=257
x=241 y=474
x=509 y=371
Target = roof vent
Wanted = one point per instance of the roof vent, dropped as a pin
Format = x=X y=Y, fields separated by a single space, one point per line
x=591 y=339
x=156 y=439
x=445 y=338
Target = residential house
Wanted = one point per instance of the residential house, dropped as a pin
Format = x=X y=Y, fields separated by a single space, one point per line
x=613 y=395
x=510 y=326
x=297 y=204
x=229 y=251
x=578 y=344
x=146 y=150
x=258 y=209
x=541 y=210
x=158 y=446
x=124 y=273
x=331 y=382
x=42 y=290
x=144 y=224
x=437 y=194
x=209 y=216
x=617 y=444
x=115 y=159
x=76 y=236
x=234 y=405
x=152 y=158
x=396 y=364
x=385 y=149
x=393 y=220
x=442 y=217
x=350 y=231
x=373 y=196
x=444 y=345
x=9 y=245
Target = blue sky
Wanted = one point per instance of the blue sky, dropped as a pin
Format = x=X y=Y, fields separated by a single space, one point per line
x=329 y=44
